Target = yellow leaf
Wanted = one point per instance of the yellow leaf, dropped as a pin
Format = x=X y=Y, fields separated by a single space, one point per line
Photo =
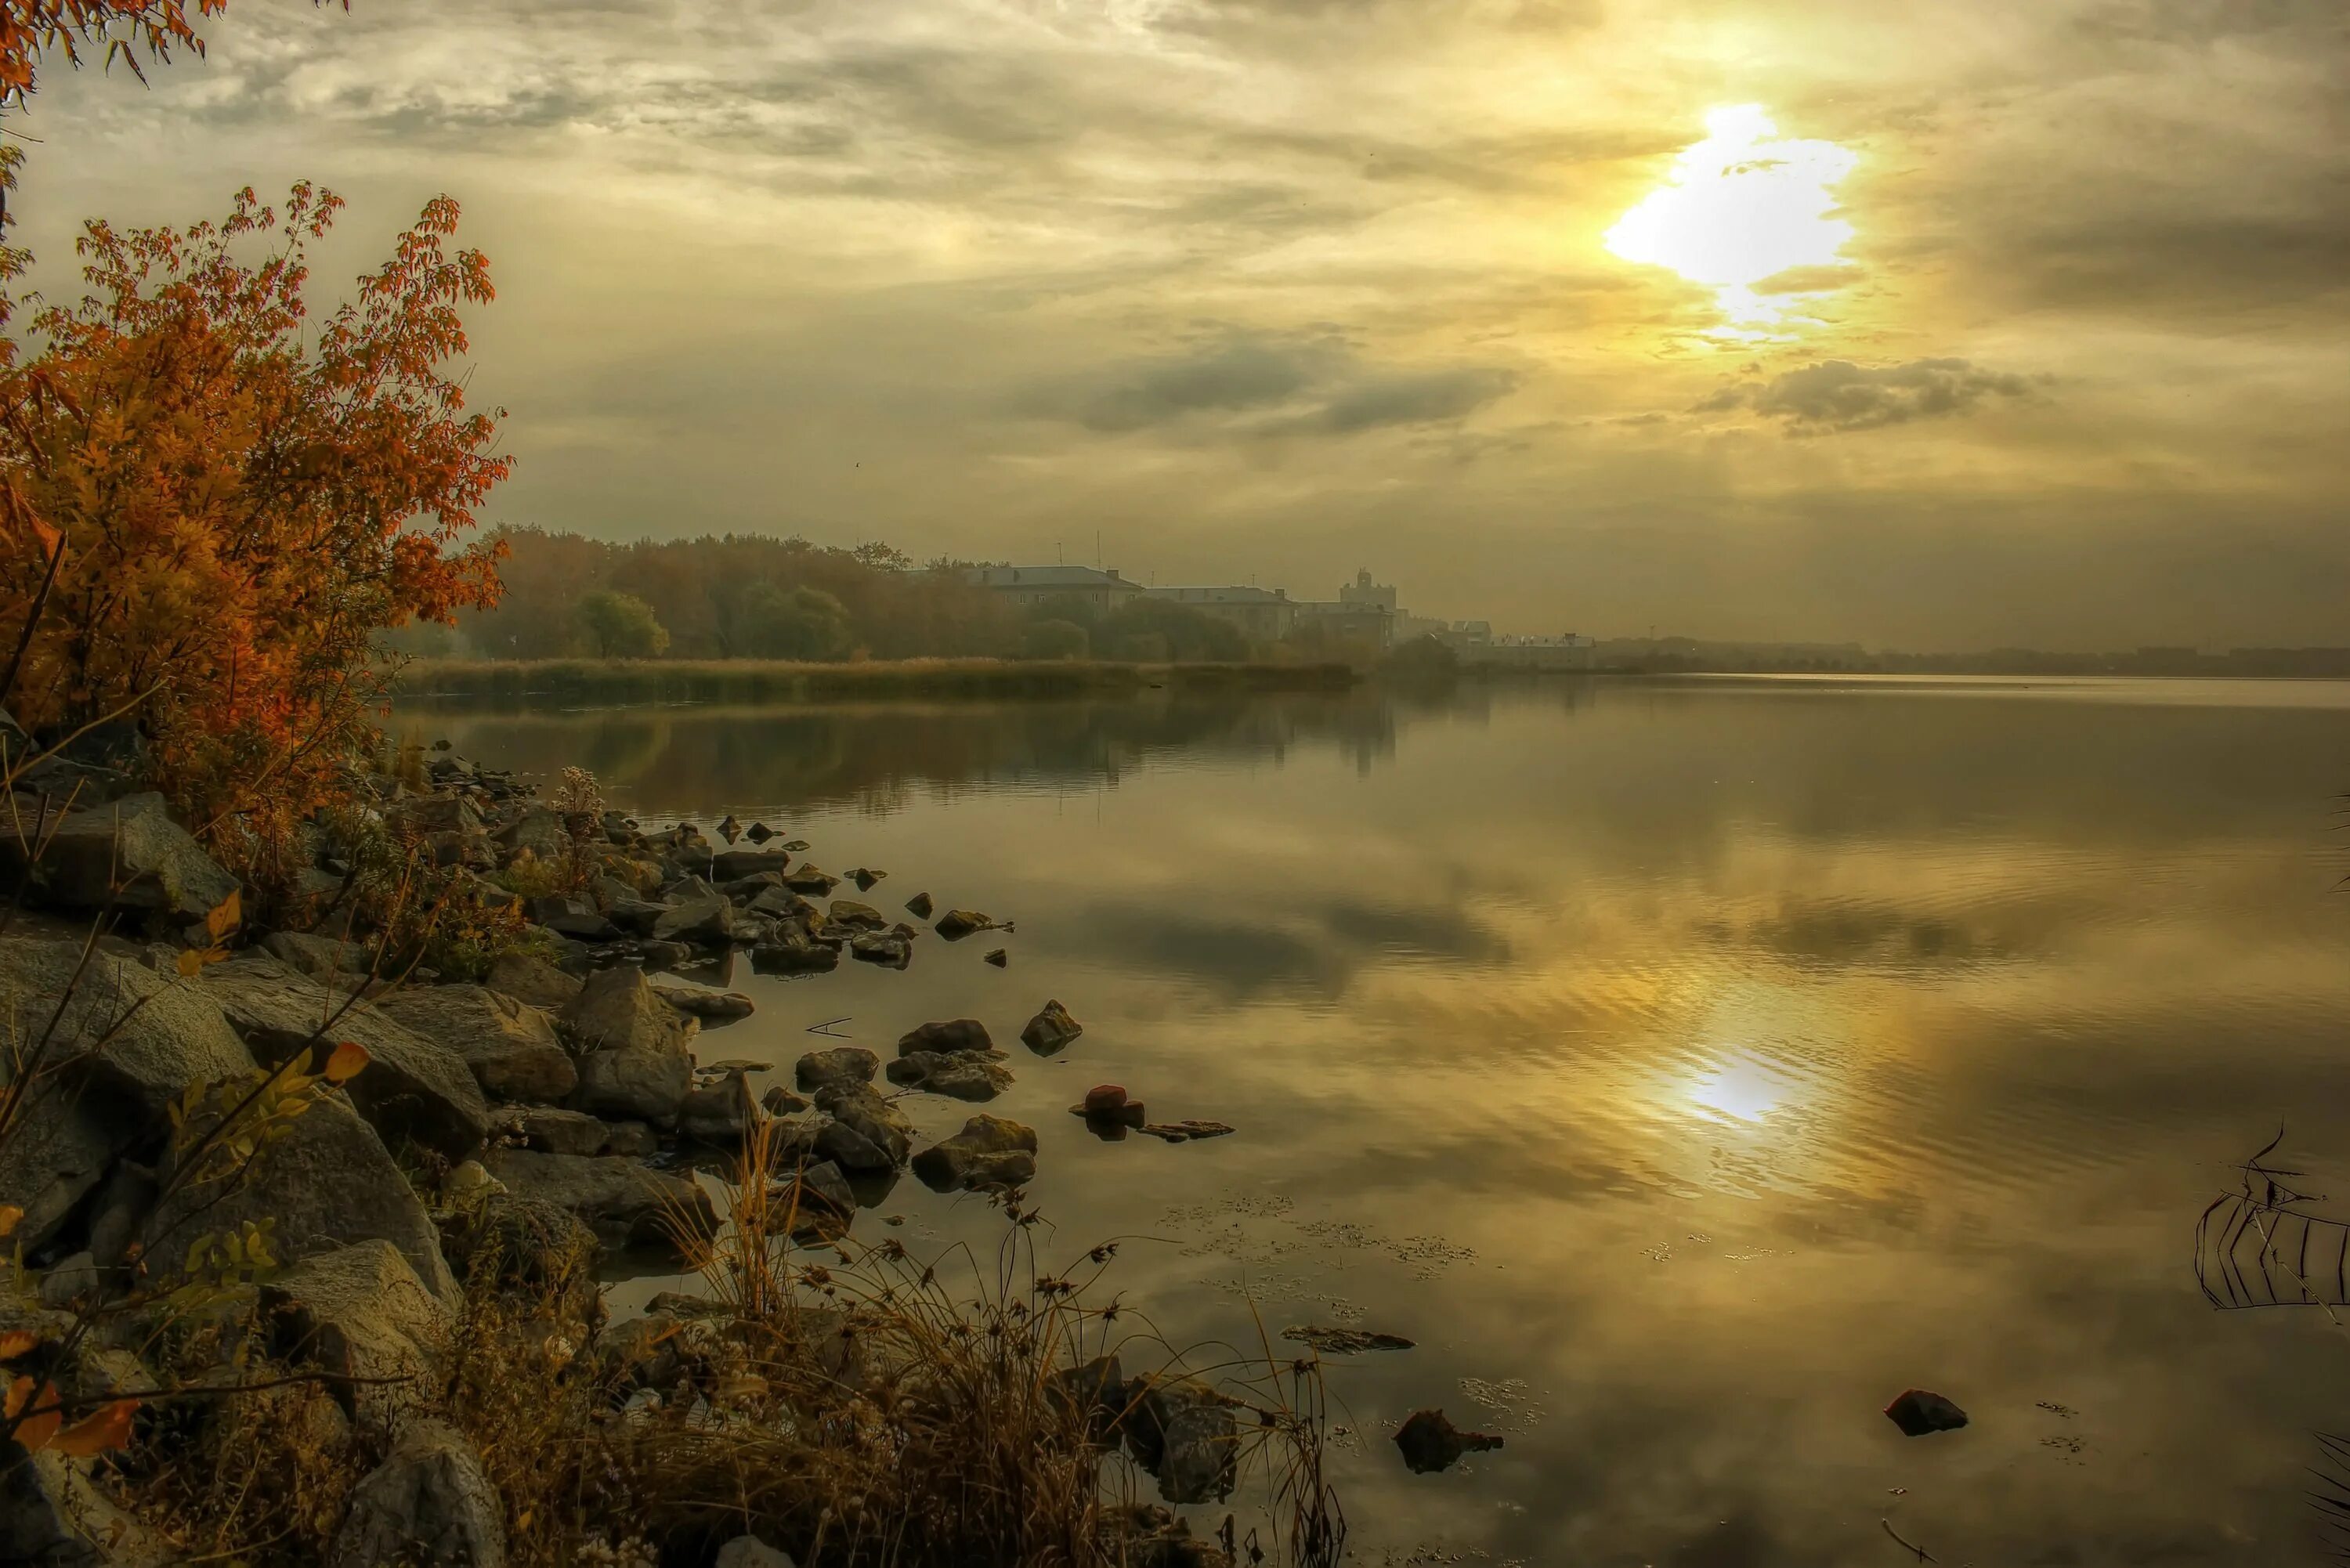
x=191 y=964
x=225 y=916
x=10 y=1216
x=345 y=1064
x=16 y=1342
x=108 y=1427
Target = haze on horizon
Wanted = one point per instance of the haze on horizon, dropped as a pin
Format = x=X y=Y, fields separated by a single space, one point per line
x=1947 y=325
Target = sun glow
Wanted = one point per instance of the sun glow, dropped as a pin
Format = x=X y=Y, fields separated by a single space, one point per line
x=1744 y=213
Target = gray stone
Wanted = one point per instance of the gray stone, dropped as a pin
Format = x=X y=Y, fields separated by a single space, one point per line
x=533 y=980
x=809 y=879
x=703 y=920
x=411 y=1088
x=569 y=915
x=957 y=924
x=953 y=1034
x=360 y=1313
x=719 y=1114
x=54 y=1155
x=553 y=1131
x=857 y=916
x=147 y=1037
x=709 y=1006
x=733 y=864
x=129 y=855
x=885 y=947
x=796 y=952
x=958 y=1075
x=428 y=1505
x=624 y=1202
x=842 y=1065
x=636 y=1064
x=1429 y=1442
x=1051 y=1029
x=322 y=959
x=54 y=1515
x=865 y=1132
x=920 y=905
x=778 y=1100
x=1185 y=1433
x=509 y=1045
x=540 y=832
x=750 y=1551
x=328 y=1183
x=990 y=1151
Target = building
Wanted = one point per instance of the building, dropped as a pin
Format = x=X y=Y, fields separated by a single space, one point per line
x=1262 y=615
x=1101 y=591
x=1340 y=620
x=1364 y=594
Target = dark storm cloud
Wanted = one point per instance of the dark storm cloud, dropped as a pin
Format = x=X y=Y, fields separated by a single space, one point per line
x=1838 y=395
x=1266 y=385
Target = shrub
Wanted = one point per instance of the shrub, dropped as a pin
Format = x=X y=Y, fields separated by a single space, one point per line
x=1055 y=640
x=621 y=626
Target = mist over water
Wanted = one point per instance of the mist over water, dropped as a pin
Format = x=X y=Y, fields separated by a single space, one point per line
x=1687 y=1067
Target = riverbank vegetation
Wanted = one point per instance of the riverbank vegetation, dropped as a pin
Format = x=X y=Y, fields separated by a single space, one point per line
x=575 y=682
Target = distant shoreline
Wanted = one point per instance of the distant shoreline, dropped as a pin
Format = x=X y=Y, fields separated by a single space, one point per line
x=596 y=681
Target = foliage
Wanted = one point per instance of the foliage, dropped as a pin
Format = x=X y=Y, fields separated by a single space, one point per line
x=28 y=28
x=775 y=622
x=1054 y=639
x=621 y=626
x=212 y=500
x=1149 y=631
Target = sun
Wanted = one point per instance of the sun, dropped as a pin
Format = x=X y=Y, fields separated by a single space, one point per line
x=1740 y=213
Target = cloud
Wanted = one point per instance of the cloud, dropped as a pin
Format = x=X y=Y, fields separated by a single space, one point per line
x=1838 y=395
x=1260 y=384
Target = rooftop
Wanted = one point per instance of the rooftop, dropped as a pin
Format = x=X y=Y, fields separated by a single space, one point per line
x=1045 y=578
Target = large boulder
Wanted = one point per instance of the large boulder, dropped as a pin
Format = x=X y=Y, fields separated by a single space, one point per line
x=322 y=959
x=719 y=1114
x=527 y=978
x=733 y=864
x=569 y=915
x=326 y=1184
x=990 y=1151
x=638 y=1063
x=857 y=916
x=704 y=918
x=360 y=1313
x=864 y=1132
x=412 y=1088
x=428 y=1505
x=539 y=831
x=54 y=1155
x=53 y=1514
x=127 y=854
x=1184 y=1432
x=142 y=1035
x=509 y=1045
x=626 y=1203
x=554 y=1131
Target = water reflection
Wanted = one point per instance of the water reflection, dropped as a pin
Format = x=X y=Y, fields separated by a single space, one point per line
x=1687 y=1067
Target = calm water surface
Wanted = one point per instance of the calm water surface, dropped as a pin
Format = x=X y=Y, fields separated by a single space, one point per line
x=1687 y=1067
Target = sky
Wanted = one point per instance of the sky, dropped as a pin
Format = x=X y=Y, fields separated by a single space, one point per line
x=1944 y=325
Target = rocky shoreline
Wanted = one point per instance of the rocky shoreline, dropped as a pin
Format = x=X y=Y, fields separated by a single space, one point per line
x=553 y=1099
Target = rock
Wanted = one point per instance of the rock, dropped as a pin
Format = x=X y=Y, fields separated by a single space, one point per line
x=866 y=1132
x=144 y=1036
x=1096 y=1387
x=509 y=1045
x=664 y=955
x=638 y=1063
x=779 y=902
x=569 y=915
x=428 y=1505
x=1429 y=1442
x=56 y=1154
x=1346 y=1341
x=720 y=1114
x=1918 y=1413
x=809 y=879
x=733 y=864
x=843 y=1064
x=127 y=854
x=821 y=1182
x=412 y=1088
x=989 y=1151
x=54 y=1515
x=857 y=916
x=542 y=1251
x=1105 y=1100
x=322 y=959
x=635 y=1139
x=957 y=924
x=886 y=948
x=1176 y=1132
x=709 y=1006
x=1051 y=1029
x=794 y=954
x=958 y=1075
x=750 y=1551
x=779 y=1101
x=328 y=1183
x=700 y=919
x=72 y=1284
x=624 y=1202
x=999 y=958
x=551 y=1131
x=537 y=831
x=360 y=1312
x=1145 y=1535
x=533 y=980
x=758 y=833
x=865 y=879
x=955 y=1035
x=1185 y=1433
x=920 y=905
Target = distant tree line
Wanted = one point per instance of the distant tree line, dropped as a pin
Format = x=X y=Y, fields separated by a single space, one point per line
x=760 y=596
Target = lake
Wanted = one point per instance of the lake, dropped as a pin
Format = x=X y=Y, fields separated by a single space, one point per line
x=1687 y=1067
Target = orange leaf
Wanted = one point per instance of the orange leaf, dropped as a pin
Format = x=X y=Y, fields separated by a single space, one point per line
x=16 y=1342
x=108 y=1427
x=191 y=964
x=9 y=1215
x=20 y=1394
x=345 y=1064
x=35 y=1431
x=225 y=916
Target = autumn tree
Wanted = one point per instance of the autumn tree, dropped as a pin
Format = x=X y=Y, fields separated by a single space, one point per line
x=212 y=503
x=621 y=626
x=794 y=623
